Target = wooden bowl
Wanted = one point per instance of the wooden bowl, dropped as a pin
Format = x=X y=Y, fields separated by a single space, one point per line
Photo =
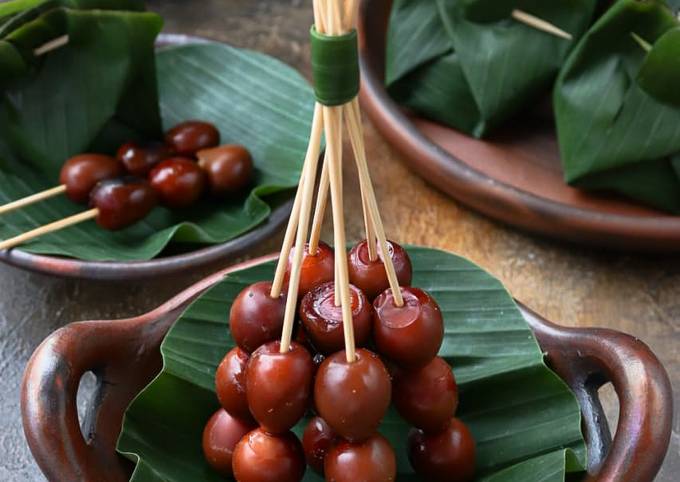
x=189 y=260
x=125 y=357
x=515 y=177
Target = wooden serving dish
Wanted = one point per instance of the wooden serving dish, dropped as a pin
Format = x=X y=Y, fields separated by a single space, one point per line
x=189 y=258
x=515 y=177
x=125 y=357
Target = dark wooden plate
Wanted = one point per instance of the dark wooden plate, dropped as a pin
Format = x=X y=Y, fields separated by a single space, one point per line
x=515 y=177
x=188 y=259
x=125 y=356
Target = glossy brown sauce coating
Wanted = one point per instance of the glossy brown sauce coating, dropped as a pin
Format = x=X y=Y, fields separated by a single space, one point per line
x=220 y=436
x=80 y=174
x=370 y=461
x=448 y=456
x=179 y=182
x=255 y=317
x=316 y=269
x=230 y=383
x=187 y=138
x=140 y=158
x=353 y=397
x=122 y=202
x=279 y=385
x=410 y=335
x=317 y=440
x=322 y=319
x=229 y=168
x=426 y=397
x=262 y=457
x=370 y=276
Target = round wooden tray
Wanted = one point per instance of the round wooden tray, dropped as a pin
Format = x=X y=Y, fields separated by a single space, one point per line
x=163 y=265
x=125 y=357
x=515 y=177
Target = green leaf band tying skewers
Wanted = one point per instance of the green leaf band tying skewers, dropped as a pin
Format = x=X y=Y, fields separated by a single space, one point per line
x=335 y=67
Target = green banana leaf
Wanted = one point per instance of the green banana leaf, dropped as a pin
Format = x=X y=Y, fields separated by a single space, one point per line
x=16 y=13
x=525 y=420
x=660 y=73
x=17 y=6
x=95 y=93
x=469 y=65
x=253 y=99
x=614 y=135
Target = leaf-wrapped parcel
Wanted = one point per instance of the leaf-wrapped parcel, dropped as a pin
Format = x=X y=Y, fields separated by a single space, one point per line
x=469 y=64
x=618 y=129
x=108 y=66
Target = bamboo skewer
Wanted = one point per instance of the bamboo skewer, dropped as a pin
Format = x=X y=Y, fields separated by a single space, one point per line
x=32 y=199
x=320 y=211
x=369 y=222
x=319 y=18
x=51 y=45
x=333 y=117
x=334 y=146
x=540 y=24
x=356 y=134
x=307 y=187
x=320 y=208
x=332 y=18
x=291 y=229
x=646 y=46
x=49 y=228
x=351 y=14
x=334 y=137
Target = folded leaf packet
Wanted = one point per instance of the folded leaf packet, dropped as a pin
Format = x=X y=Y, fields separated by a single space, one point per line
x=616 y=105
x=469 y=64
x=93 y=93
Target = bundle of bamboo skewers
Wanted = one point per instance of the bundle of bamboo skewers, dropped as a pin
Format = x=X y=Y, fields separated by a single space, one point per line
x=331 y=19
x=337 y=18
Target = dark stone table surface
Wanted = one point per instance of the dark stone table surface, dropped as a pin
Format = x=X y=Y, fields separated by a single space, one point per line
x=574 y=286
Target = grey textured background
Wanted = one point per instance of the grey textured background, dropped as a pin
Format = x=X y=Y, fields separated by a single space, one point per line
x=574 y=286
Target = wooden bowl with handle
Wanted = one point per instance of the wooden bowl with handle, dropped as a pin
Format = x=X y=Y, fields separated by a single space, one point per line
x=125 y=356
x=514 y=177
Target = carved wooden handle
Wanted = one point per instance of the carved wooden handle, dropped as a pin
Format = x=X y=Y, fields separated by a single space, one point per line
x=587 y=359
x=125 y=356
x=49 y=410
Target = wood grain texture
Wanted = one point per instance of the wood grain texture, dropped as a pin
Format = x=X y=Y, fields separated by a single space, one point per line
x=575 y=286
